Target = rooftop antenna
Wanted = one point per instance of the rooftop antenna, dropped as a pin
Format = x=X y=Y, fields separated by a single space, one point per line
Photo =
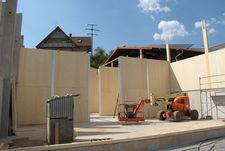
x=92 y=28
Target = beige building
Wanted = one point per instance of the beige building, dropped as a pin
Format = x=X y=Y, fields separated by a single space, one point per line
x=132 y=80
x=136 y=79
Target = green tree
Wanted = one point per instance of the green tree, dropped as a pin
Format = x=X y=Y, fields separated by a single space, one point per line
x=99 y=57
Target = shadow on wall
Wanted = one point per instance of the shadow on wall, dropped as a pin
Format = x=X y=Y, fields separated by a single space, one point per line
x=174 y=84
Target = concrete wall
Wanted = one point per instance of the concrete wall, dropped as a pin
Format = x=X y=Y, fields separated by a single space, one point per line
x=10 y=28
x=33 y=85
x=141 y=77
x=94 y=92
x=108 y=90
x=185 y=73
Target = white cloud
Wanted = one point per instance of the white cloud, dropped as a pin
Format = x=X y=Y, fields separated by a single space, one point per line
x=211 y=31
x=170 y=29
x=152 y=6
x=198 y=24
x=223 y=14
x=217 y=21
x=156 y=36
x=213 y=20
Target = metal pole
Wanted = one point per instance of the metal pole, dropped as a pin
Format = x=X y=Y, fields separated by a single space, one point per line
x=92 y=30
x=200 y=96
x=217 y=112
x=206 y=102
x=211 y=104
x=217 y=116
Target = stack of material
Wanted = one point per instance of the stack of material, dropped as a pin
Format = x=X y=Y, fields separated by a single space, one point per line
x=4 y=146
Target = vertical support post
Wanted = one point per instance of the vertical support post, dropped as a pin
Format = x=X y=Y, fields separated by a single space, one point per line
x=99 y=91
x=88 y=86
x=53 y=73
x=217 y=114
x=211 y=106
x=17 y=45
x=168 y=57
x=147 y=76
x=120 y=79
x=141 y=54
x=6 y=56
x=15 y=65
x=207 y=109
x=206 y=47
x=148 y=89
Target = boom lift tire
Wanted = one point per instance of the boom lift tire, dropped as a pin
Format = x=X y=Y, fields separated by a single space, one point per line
x=177 y=117
x=161 y=115
x=194 y=114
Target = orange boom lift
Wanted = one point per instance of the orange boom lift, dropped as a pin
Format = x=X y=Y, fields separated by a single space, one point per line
x=176 y=108
x=132 y=112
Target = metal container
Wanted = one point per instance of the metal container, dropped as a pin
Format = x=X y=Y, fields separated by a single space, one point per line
x=60 y=119
x=61 y=107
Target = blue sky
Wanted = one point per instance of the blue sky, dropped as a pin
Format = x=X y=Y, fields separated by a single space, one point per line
x=125 y=22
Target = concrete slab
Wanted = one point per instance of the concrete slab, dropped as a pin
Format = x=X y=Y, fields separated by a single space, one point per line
x=108 y=134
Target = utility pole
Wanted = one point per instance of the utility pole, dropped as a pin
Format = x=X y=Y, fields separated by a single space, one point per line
x=92 y=28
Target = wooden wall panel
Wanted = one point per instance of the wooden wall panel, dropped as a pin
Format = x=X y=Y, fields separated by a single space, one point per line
x=133 y=79
x=108 y=81
x=94 y=91
x=34 y=82
x=141 y=77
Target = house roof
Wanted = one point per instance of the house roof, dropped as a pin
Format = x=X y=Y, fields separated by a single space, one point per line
x=82 y=41
x=56 y=34
x=153 y=50
x=58 y=39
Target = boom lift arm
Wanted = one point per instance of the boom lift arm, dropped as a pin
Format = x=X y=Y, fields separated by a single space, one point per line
x=140 y=105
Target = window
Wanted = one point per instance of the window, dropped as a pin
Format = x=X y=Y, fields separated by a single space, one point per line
x=181 y=101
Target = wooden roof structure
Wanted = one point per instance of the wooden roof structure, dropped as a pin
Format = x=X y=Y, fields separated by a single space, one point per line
x=158 y=52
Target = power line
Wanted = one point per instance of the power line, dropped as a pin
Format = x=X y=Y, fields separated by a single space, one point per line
x=92 y=28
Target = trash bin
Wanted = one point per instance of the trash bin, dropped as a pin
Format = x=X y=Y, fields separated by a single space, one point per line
x=60 y=119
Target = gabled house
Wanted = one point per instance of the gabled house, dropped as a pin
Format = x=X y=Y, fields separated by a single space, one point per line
x=59 y=40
